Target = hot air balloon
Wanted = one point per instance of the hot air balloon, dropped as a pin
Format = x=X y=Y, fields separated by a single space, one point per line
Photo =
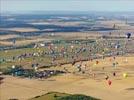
x=109 y=82
x=125 y=75
x=128 y=35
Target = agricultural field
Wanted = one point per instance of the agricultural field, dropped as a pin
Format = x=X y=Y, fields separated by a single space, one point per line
x=77 y=56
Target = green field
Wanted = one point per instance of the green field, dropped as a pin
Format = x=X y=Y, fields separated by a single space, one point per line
x=62 y=96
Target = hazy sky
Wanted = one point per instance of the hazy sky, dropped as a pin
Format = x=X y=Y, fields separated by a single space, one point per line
x=66 y=5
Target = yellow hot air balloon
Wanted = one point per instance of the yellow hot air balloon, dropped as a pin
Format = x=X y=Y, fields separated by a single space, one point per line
x=125 y=75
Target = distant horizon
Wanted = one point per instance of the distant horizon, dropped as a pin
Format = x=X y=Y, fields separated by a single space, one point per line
x=63 y=12
x=18 y=6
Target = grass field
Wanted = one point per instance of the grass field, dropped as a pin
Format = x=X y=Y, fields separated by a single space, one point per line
x=62 y=96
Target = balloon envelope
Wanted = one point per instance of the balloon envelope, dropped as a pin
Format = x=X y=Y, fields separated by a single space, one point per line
x=125 y=75
x=128 y=35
